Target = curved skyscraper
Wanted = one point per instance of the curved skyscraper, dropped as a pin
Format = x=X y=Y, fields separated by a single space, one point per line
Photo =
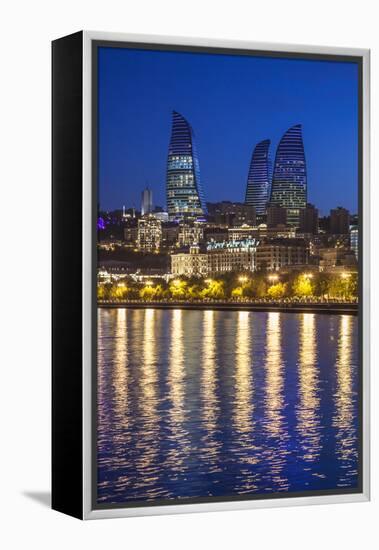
x=185 y=198
x=289 y=182
x=258 y=179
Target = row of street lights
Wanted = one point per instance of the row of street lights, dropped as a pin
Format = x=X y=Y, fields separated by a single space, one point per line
x=243 y=279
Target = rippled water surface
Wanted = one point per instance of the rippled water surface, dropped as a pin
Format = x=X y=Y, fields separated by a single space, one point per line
x=210 y=403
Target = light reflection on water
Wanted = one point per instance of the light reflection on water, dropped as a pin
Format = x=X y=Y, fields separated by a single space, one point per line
x=308 y=413
x=177 y=436
x=345 y=396
x=207 y=403
x=210 y=444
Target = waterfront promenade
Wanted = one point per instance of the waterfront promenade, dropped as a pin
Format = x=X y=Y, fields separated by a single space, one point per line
x=229 y=305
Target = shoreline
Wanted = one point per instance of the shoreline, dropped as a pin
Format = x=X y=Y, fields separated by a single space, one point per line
x=327 y=308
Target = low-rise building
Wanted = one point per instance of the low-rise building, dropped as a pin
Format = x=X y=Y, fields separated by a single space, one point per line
x=242 y=233
x=218 y=258
x=275 y=254
x=232 y=213
x=215 y=234
x=246 y=255
x=260 y=232
x=190 y=264
x=336 y=257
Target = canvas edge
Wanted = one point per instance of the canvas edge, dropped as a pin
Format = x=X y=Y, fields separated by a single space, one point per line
x=88 y=512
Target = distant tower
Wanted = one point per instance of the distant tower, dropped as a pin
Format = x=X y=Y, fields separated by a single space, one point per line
x=146 y=201
x=289 y=182
x=309 y=220
x=339 y=221
x=184 y=191
x=258 y=179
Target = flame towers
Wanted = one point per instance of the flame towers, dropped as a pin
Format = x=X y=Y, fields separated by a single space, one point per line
x=184 y=192
x=258 y=180
x=289 y=183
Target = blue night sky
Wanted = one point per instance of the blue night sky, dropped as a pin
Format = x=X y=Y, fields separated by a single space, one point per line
x=232 y=102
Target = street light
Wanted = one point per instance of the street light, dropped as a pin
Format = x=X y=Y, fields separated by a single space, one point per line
x=243 y=279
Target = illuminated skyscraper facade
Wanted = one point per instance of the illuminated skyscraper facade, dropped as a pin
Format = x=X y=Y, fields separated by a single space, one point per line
x=289 y=183
x=185 y=198
x=258 y=179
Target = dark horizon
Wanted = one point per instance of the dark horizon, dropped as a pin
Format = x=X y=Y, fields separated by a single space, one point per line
x=138 y=90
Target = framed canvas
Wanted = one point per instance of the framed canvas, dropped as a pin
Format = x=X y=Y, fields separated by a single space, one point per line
x=210 y=275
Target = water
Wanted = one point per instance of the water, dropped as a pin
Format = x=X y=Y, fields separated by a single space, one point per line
x=206 y=403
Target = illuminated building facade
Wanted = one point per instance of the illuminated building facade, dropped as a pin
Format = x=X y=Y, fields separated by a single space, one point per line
x=354 y=240
x=217 y=259
x=190 y=233
x=260 y=232
x=131 y=234
x=242 y=233
x=289 y=183
x=258 y=179
x=184 y=193
x=162 y=216
x=192 y=264
x=149 y=234
x=238 y=258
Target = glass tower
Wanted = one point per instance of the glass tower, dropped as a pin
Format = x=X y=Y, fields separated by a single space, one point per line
x=185 y=198
x=146 y=201
x=258 y=179
x=289 y=183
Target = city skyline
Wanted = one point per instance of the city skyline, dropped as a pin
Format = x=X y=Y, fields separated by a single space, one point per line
x=228 y=323
x=283 y=183
x=240 y=104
